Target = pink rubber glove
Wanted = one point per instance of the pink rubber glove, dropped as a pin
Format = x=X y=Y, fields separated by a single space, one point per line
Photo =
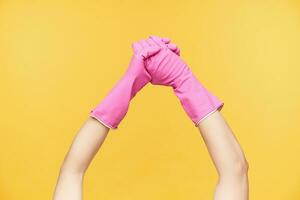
x=113 y=108
x=167 y=68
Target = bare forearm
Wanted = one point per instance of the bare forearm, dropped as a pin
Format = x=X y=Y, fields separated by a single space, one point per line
x=83 y=149
x=222 y=145
x=69 y=186
x=227 y=156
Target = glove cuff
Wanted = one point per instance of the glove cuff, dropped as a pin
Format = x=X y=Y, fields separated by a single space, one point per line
x=196 y=100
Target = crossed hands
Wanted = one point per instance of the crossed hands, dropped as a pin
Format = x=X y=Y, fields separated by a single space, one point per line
x=158 y=61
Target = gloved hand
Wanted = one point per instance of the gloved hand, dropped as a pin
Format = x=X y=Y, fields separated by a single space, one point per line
x=113 y=108
x=167 y=68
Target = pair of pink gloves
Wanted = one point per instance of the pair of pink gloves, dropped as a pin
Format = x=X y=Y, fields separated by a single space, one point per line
x=158 y=61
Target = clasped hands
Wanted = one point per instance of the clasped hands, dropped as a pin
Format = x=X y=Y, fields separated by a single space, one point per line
x=158 y=61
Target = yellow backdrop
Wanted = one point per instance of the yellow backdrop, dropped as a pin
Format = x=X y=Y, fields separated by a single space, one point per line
x=58 y=59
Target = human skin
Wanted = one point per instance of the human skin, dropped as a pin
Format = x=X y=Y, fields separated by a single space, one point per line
x=169 y=69
x=222 y=145
x=84 y=147
x=227 y=156
x=92 y=134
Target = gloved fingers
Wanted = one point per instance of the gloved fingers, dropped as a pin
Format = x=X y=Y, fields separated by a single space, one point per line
x=150 y=51
x=152 y=43
x=144 y=44
x=161 y=40
x=178 y=51
x=137 y=47
x=166 y=40
x=147 y=48
x=173 y=47
x=157 y=40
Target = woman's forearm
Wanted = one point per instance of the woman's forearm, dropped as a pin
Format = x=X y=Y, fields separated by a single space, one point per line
x=227 y=156
x=83 y=149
